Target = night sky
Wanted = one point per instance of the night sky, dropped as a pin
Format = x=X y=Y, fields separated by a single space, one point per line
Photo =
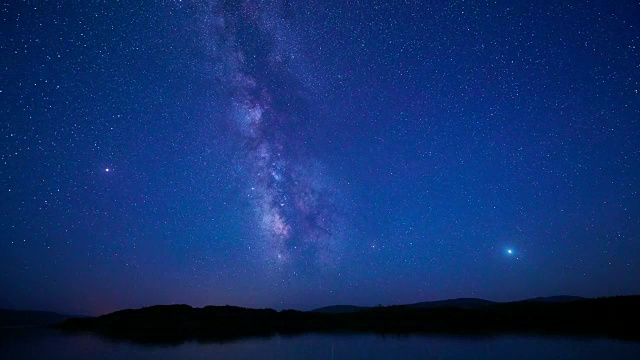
x=297 y=154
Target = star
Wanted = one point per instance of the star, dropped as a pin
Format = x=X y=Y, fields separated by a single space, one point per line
x=107 y=170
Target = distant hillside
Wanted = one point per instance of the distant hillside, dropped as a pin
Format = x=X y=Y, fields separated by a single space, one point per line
x=463 y=303
x=178 y=323
x=561 y=298
x=15 y=318
x=340 y=309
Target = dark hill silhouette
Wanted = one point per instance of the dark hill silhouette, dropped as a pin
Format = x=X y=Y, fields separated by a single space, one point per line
x=340 y=309
x=561 y=298
x=465 y=303
x=176 y=323
x=23 y=318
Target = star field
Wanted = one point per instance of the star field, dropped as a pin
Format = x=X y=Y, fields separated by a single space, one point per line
x=297 y=154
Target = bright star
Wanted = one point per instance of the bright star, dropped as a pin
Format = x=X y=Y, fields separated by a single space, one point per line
x=509 y=251
x=107 y=169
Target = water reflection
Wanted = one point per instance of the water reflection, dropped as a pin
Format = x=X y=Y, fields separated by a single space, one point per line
x=48 y=344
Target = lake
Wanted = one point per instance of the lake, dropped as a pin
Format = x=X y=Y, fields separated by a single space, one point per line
x=52 y=344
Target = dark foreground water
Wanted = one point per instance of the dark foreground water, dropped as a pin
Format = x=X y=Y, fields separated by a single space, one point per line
x=51 y=344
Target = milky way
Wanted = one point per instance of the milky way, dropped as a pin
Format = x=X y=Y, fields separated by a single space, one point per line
x=299 y=154
x=253 y=55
